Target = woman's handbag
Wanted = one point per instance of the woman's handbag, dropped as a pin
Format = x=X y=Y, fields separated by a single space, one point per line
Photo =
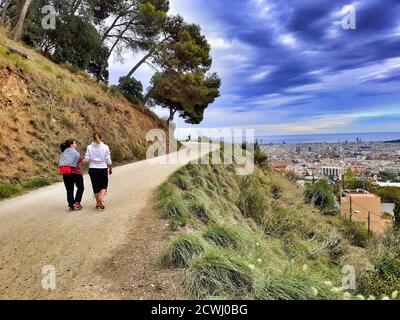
x=65 y=170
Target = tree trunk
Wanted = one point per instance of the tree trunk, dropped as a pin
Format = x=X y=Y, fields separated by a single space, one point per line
x=122 y=14
x=4 y=12
x=149 y=94
x=75 y=6
x=137 y=66
x=111 y=51
x=105 y=35
x=20 y=24
x=105 y=62
x=172 y=112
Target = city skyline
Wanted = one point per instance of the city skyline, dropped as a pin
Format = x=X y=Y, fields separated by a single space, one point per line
x=290 y=68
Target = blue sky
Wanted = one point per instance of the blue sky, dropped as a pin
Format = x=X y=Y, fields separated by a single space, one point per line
x=288 y=67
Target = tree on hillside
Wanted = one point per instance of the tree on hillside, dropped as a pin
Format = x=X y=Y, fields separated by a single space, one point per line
x=131 y=89
x=351 y=181
x=321 y=195
x=75 y=40
x=188 y=94
x=20 y=24
x=182 y=48
x=136 y=25
x=77 y=44
x=396 y=212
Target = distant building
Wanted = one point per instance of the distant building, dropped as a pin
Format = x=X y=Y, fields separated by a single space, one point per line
x=389 y=184
x=281 y=166
x=362 y=206
x=335 y=172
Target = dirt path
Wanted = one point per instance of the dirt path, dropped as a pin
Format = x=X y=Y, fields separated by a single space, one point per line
x=86 y=247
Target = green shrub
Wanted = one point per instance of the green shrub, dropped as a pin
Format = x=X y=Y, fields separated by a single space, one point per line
x=201 y=211
x=276 y=191
x=384 y=278
x=114 y=91
x=199 y=182
x=180 y=180
x=198 y=203
x=388 y=267
x=355 y=232
x=218 y=273
x=166 y=190
x=225 y=236
x=292 y=286
x=8 y=190
x=33 y=153
x=172 y=206
x=182 y=250
x=252 y=200
x=279 y=221
x=178 y=222
x=36 y=183
x=321 y=195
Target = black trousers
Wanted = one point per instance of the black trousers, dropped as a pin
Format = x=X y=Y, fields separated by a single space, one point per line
x=99 y=178
x=70 y=181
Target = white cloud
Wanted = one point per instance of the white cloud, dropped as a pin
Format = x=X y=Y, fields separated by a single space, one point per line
x=385 y=70
x=288 y=40
x=260 y=75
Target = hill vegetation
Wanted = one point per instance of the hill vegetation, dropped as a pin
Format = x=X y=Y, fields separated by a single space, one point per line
x=42 y=104
x=85 y=34
x=256 y=238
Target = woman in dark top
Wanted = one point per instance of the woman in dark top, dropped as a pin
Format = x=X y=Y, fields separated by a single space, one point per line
x=72 y=174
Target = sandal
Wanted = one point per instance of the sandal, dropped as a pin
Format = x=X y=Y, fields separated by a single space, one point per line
x=78 y=206
x=100 y=206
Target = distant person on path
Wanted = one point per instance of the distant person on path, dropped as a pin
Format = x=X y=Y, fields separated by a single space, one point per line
x=100 y=166
x=70 y=160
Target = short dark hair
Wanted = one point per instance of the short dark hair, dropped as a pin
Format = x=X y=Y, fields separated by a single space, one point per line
x=65 y=145
x=96 y=134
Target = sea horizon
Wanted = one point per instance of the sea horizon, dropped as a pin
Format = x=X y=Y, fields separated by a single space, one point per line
x=329 y=137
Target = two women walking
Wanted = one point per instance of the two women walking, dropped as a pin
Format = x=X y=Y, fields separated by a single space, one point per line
x=100 y=167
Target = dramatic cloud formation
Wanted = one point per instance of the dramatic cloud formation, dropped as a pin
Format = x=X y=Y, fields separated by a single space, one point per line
x=290 y=67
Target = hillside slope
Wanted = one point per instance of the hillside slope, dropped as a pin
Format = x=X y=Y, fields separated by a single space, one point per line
x=255 y=238
x=42 y=104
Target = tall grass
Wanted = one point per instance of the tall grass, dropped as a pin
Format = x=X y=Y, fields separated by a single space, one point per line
x=293 y=286
x=253 y=237
x=228 y=237
x=219 y=273
x=8 y=190
x=182 y=250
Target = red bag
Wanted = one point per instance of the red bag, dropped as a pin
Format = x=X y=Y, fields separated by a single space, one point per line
x=65 y=170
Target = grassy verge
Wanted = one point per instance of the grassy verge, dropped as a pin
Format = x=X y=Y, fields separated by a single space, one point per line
x=8 y=190
x=255 y=238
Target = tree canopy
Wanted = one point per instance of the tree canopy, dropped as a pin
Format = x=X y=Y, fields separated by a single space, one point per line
x=321 y=194
x=88 y=32
x=187 y=94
